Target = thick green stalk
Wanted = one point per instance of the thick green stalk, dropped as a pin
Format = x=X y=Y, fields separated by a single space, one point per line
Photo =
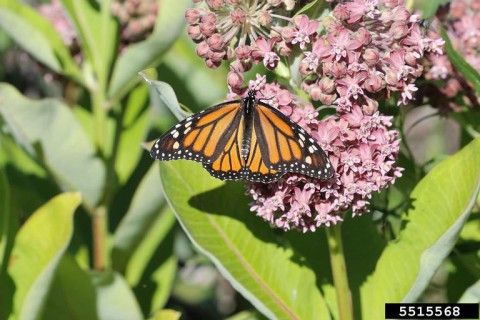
x=339 y=272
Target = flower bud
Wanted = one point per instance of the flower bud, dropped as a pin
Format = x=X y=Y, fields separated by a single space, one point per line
x=341 y=12
x=371 y=57
x=195 y=33
x=203 y=49
x=235 y=79
x=215 y=42
x=399 y=29
x=327 y=99
x=373 y=83
x=238 y=16
x=371 y=107
x=192 y=16
x=243 y=52
x=326 y=85
x=411 y=58
x=207 y=28
x=264 y=18
x=215 y=4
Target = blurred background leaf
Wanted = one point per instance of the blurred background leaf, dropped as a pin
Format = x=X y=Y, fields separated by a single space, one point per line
x=50 y=133
x=145 y=54
x=37 y=36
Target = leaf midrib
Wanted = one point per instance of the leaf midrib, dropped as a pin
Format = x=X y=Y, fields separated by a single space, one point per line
x=250 y=270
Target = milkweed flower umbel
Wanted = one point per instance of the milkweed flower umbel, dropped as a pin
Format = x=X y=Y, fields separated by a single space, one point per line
x=362 y=149
x=463 y=28
x=247 y=32
x=370 y=49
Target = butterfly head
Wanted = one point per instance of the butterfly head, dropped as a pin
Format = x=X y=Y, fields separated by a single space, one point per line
x=252 y=94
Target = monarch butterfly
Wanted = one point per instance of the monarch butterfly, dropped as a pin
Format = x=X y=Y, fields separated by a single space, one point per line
x=244 y=139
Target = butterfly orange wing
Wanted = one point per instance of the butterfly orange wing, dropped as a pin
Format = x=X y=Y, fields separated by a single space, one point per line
x=229 y=164
x=200 y=137
x=286 y=147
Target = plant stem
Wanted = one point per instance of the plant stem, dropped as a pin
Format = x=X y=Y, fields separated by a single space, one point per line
x=99 y=235
x=100 y=120
x=339 y=272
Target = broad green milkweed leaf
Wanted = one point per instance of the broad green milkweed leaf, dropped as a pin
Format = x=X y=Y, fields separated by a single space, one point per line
x=459 y=63
x=48 y=130
x=441 y=204
x=72 y=295
x=245 y=249
x=170 y=22
x=38 y=249
x=37 y=36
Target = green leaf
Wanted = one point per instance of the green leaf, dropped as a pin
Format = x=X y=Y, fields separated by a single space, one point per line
x=6 y=231
x=97 y=31
x=145 y=207
x=37 y=36
x=441 y=204
x=115 y=300
x=459 y=63
x=167 y=314
x=38 y=249
x=48 y=130
x=148 y=53
x=135 y=124
x=427 y=7
x=254 y=258
x=472 y=294
x=188 y=72
x=72 y=295
x=152 y=267
x=162 y=95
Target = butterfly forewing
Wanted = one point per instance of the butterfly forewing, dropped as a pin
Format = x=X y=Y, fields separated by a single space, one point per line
x=200 y=137
x=286 y=147
x=229 y=164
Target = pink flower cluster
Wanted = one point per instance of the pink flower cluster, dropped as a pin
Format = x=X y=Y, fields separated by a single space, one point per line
x=137 y=18
x=463 y=27
x=55 y=13
x=361 y=148
x=246 y=33
x=371 y=49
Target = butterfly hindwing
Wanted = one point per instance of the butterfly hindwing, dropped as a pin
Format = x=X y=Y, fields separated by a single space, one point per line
x=256 y=170
x=199 y=137
x=286 y=147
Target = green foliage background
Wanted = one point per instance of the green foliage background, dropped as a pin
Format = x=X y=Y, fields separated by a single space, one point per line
x=91 y=228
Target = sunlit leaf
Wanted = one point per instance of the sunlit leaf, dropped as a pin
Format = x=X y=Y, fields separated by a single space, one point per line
x=254 y=258
x=441 y=204
x=38 y=249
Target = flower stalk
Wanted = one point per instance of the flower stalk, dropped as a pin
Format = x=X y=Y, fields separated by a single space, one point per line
x=99 y=235
x=339 y=272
